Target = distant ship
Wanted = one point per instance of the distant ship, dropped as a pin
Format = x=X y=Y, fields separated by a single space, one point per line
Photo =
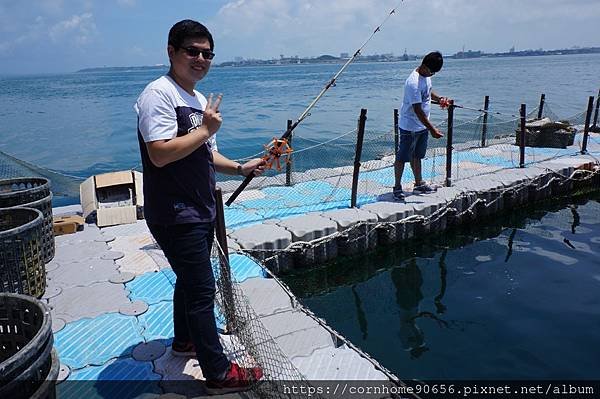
x=405 y=56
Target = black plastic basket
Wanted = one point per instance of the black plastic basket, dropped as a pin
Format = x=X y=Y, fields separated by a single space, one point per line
x=23 y=190
x=44 y=205
x=31 y=192
x=28 y=363
x=21 y=262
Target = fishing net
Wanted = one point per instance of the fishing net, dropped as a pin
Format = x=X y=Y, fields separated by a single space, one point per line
x=319 y=174
x=64 y=187
x=250 y=343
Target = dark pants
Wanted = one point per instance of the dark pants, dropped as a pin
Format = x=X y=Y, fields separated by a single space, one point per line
x=187 y=248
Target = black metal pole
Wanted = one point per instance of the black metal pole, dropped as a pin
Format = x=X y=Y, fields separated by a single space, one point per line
x=596 y=112
x=586 y=128
x=449 y=147
x=522 y=136
x=396 y=131
x=225 y=270
x=541 y=107
x=486 y=106
x=288 y=165
x=362 y=120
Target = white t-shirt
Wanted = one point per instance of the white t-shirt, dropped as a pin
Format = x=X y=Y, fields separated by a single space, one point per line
x=417 y=90
x=157 y=109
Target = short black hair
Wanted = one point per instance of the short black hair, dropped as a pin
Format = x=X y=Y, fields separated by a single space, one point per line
x=188 y=28
x=433 y=61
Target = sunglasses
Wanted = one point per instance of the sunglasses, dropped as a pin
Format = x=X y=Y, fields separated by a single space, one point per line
x=195 y=52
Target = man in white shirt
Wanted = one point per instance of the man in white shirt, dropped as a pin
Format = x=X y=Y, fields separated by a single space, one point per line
x=414 y=122
x=176 y=135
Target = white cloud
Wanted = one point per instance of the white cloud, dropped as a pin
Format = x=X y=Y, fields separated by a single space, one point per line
x=78 y=28
x=267 y=28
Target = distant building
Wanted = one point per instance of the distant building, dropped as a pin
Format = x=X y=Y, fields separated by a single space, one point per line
x=344 y=55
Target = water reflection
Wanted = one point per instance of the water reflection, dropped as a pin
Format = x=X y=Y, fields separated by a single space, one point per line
x=408 y=281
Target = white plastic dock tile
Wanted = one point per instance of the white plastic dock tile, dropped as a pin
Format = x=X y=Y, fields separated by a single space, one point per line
x=336 y=364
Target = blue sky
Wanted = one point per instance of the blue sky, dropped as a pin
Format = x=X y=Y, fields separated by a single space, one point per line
x=40 y=36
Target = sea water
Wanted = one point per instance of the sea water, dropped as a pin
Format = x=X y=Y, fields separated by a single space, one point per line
x=516 y=299
x=83 y=123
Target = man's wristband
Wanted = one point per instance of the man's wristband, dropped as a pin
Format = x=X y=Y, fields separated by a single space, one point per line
x=240 y=171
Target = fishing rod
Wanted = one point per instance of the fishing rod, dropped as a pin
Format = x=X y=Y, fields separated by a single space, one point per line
x=278 y=144
x=446 y=105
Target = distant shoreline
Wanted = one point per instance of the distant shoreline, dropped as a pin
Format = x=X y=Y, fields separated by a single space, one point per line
x=329 y=59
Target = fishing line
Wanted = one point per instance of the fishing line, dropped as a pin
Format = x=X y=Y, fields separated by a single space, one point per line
x=477 y=109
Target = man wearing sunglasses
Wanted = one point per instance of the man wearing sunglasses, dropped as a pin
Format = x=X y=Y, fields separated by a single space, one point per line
x=414 y=123
x=176 y=135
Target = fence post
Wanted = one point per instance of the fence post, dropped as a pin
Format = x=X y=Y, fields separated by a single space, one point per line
x=362 y=120
x=586 y=128
x=541 y=107
x=596 y=112
x=396 y=127
x=288 y=165
x=486 y=106
x=449 y=147
x=522 y=136
x=225 y=270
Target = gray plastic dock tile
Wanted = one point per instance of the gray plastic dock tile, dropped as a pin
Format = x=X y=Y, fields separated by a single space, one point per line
x=131 y=229
x=137 y=242
x=63 y=373
x=121 y=278
x=487 y=190
x=336 y=364
x=307 y=228
x=91 y=301
x=260 y=239
x=517 y=182
x=79 y=251
x=296 y=333
x=134 y=308
x=57 y=325
x=137 y=262
x=90 y=233
x=112 y=255
x=52 y=265
x=82 y=273
x=176 y=368
x=390 y=212
x=148 y=351
x=359 y=227
x=266 y=296
x=52 y=290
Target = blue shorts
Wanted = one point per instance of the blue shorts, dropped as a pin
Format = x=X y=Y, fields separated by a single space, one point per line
x=412 y=145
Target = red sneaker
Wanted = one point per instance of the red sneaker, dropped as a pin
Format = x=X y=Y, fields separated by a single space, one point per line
x=186 y=349
x=237 y=379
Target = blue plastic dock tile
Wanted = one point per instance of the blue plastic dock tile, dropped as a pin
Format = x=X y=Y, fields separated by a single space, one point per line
x=95 y=341
x=157 y=322
x=170 y=274
x=153 y=287
x=120 y=378
x=385 y=177
x=244 y=268
x=277 y=191
x=240 y=217
x=314 y=187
